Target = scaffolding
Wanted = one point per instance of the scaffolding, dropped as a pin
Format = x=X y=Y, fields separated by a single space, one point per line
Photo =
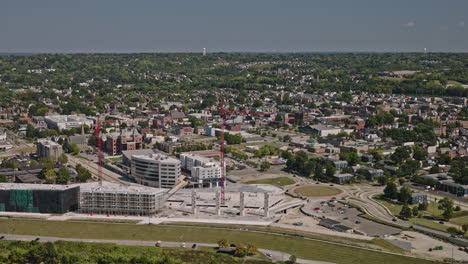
x=121 y=200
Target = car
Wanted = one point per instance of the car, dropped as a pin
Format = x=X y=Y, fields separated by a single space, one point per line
x=345 y=218
x=269 y=255
x=332 y=185
x=298 y=224
x=194 y=246
x=298 y=184
x=332 y=205
x=2 y=237
x=394 y=219
x=441 y=222
x=358 y=222
x=316 y=208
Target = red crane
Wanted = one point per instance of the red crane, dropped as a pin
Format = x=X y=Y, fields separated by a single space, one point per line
x=97 y=134
x=223 y=113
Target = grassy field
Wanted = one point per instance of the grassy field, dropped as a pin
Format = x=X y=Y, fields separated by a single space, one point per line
x=315 y=191
x=429 y=223
x=279 y=181
x=300 y=247
x=460 y=220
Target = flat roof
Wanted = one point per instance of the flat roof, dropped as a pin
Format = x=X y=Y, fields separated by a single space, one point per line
x=31 y=186
x=110 y=187
x=157 y=157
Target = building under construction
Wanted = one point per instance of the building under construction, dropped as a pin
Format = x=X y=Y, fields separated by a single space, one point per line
x=38 y=198
x=114 y=198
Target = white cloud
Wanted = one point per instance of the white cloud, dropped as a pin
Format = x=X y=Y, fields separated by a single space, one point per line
x=461 y=23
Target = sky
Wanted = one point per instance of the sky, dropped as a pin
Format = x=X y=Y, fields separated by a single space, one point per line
x=70 y=26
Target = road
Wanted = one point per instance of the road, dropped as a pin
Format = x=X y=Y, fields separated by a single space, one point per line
x=93 y=168
x=363 y=198
x=275 y=255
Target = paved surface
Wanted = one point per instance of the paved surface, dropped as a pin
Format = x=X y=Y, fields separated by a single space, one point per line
x=93 y=168
x=275 y=255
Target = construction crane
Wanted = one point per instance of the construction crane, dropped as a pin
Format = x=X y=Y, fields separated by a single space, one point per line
x=97 y=134
x=223 y=113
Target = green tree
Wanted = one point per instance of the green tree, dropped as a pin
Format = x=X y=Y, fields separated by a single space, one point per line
x=415 y=211
x=292 y=259
x=401 y=154
x=83 y=174
x=446 y=204
x=423 y=206
x=3 y=178
x=251 y=249
x=264 y=166
x=405 y=212
x=404 y=196
x=223 y=243
x=419 y=153
x=465 y=228
x=241 y=250
x=63 y=176
x=50 y=176
x=391 y=191
x=72 y=148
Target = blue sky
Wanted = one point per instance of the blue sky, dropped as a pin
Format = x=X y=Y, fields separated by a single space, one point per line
x=240 y=25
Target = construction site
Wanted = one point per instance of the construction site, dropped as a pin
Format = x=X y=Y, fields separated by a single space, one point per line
x=240 y=200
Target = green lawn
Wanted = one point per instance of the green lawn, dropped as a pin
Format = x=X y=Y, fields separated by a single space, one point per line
x=460 y=220
x=428 y=223
x=314 y=191
x=279 y=181
x=300 y=247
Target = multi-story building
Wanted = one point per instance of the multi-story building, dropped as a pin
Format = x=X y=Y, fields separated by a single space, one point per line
x=125 y=140
x=155 y=170
x=204 y=172
x=113 y=198
x=67 y=121
x=48 y=149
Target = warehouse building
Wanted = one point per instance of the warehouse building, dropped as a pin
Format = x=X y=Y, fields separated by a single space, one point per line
x=38 y=198
x=114 y=198
x=67 y=121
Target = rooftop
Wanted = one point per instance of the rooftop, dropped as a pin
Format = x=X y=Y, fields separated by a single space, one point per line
x=157 y=157
x=28 y=186
x=109 y=187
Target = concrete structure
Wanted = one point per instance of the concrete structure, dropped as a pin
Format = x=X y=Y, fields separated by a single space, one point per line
x=67 y=121
x=47 y=149
x=218 y=203
x=155 y=170
x=194 y=202
x=204 y=172
x=241 y=204
x=266 y=205
x=114 y=198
